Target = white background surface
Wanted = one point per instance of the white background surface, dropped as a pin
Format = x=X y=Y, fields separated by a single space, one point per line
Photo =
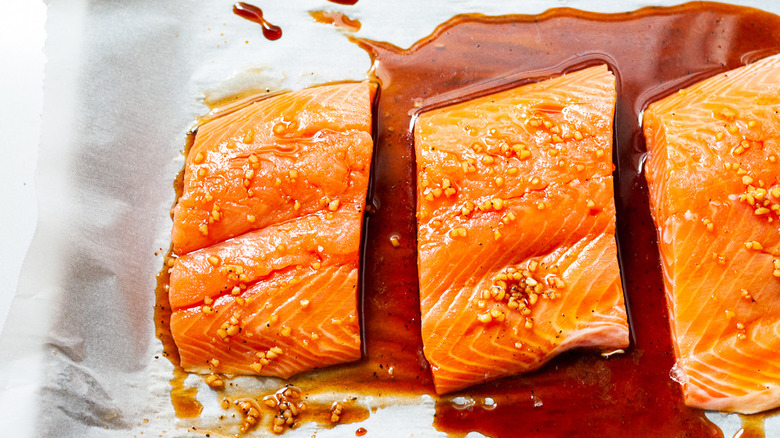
x=21 y=77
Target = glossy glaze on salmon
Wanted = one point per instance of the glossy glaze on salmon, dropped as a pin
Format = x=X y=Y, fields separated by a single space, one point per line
x=516 y=220
x=713 y=172
x=268 y=234
x=274 y=160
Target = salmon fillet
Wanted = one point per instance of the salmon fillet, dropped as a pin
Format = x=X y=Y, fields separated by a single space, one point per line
x=516 y=221
x=280 y=186
x=712 y=170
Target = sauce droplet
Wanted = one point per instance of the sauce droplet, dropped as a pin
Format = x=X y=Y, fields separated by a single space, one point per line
x=337 y=19
x=253 y=13
x=361 y=431
x=344 y=2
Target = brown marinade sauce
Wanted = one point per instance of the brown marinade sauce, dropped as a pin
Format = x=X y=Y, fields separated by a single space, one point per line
x=253 y=13
x=652 y=52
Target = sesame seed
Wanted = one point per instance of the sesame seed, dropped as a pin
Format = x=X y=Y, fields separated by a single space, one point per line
x=249 y=136
x=395 y=241
x=201 y=172
x=251 y=218
x=591 y=204
x=728 y=114
x=285 y=331
x=599 y=153
x=731 y=129
x=719 y=136
x=293 y=174
x=333 y=205
x=754 y=245
x=304 y=303
x=741 y=336
x=484 y=318
x=198 y=158
x=204 y=229
x=208 y=310
x=746 y=180
x=496 y=234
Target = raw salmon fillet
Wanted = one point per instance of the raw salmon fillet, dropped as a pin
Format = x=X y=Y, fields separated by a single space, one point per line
x=268 y=232
x=713 y=172
x=516 y=221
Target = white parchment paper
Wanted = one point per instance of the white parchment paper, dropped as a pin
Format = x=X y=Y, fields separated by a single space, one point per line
x=124 y=82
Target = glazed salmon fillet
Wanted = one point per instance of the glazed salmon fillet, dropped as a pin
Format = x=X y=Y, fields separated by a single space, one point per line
x=713 y=171
x=516 y=220
x=268 y=231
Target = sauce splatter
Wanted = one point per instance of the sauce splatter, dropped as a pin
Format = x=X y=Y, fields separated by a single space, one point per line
x=344 y=2
x=253 y=13
x=183 y=398
x=337 y=19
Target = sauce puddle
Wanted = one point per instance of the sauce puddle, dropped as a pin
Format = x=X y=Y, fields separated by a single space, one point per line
x=652 y=52
x=753 y=426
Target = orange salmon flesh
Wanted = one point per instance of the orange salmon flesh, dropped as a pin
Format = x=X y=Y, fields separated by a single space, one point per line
x=516 y=229
x=712 y=170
